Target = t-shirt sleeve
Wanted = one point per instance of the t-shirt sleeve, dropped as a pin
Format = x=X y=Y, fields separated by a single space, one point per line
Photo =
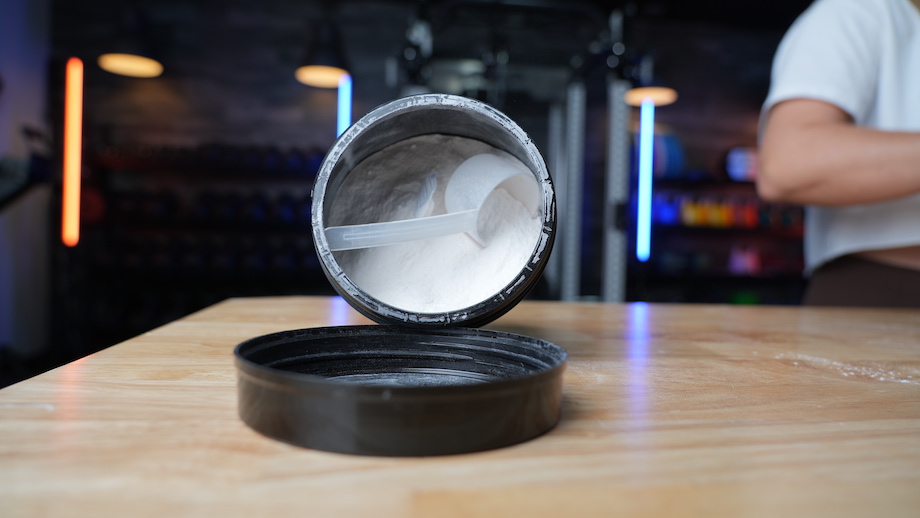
x=830 y=53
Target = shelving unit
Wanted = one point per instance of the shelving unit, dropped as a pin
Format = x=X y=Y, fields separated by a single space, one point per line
x=169 y=231
x=715 y=241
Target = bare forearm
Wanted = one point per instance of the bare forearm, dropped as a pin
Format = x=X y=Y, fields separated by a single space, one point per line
x=820 y=161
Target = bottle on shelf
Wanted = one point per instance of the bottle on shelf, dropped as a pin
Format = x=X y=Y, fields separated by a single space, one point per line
x=255 y=211
x=251 y=158
x=272 y=160
x=295 y=162
x=284 y=211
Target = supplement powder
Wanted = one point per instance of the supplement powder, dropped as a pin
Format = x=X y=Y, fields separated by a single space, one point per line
x=441 y=274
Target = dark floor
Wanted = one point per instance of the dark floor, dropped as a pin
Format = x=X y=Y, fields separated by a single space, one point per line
x=14 y=368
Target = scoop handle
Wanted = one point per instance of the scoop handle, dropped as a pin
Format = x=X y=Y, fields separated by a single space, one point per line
x=369 y=235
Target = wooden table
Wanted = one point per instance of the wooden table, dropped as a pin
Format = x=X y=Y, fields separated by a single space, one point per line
x=669 y=410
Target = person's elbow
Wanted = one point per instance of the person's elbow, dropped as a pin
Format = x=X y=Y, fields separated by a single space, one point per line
x=774 y=182
x=798 y=148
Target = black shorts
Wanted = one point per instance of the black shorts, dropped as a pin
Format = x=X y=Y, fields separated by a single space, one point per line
x=854 y=281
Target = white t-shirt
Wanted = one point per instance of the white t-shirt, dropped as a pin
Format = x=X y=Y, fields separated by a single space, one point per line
x=864 y=57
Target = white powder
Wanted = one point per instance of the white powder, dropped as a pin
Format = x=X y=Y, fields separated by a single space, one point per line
x=452 y=272
x=447 y=273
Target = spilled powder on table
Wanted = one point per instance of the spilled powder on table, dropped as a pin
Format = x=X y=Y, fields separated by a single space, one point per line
x=868 y=370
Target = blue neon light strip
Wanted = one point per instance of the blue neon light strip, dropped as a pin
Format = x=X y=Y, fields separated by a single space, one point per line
x=646 y=150
x=343 y=120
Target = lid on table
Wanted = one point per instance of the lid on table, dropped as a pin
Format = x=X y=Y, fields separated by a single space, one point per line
x=397 y=391
x=433 y=210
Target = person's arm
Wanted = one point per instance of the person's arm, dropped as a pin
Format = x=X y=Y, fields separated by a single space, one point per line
x=812 y=153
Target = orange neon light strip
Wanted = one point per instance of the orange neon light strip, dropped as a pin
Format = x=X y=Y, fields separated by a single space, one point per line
x=73 y=148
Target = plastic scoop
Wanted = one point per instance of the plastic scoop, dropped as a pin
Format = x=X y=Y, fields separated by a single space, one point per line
x=465 y=193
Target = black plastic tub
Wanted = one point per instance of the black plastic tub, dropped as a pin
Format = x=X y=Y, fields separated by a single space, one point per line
x=447 y=119
x=393 y=391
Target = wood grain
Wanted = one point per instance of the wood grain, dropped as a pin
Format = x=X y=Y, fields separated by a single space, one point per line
x=669 y=410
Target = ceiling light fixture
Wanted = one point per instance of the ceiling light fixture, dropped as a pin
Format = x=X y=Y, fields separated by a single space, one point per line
x=324 y=62
x=132 y=55
x=657 y=95
x=647 y=87
x=131 y=65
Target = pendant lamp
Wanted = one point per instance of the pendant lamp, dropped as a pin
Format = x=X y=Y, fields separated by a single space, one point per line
x=647 y=87
x=324 y=61
x=132 y=54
